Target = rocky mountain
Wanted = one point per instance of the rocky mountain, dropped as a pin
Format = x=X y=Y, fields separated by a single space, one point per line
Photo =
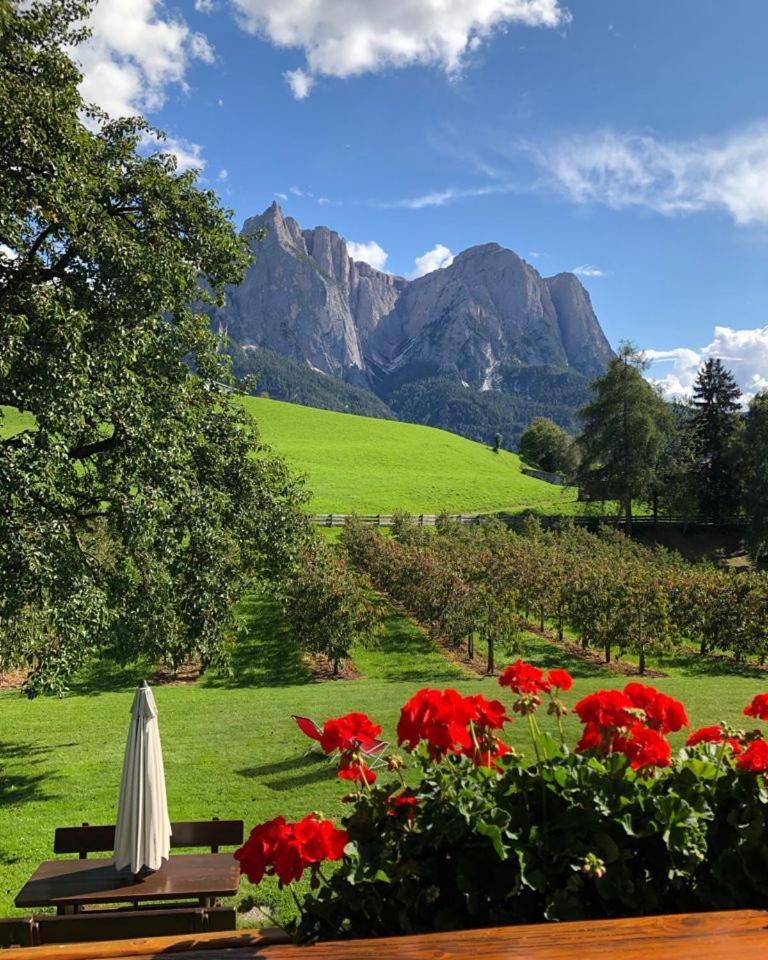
x=472 y=322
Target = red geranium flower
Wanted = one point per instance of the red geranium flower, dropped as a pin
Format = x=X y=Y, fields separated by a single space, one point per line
x=605 y=710
x=662 y=712
x=644 y=747
x=560 y=679
x=402 y=803
x=713 y=734
x=755 y=758
x=488 y=714
x=353 y=768
x=758 y=707
x=344 y=733
x=286 y=849
x=438 y=717
x=524 y=678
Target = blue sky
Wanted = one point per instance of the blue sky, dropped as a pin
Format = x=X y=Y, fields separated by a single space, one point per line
x=625 y=138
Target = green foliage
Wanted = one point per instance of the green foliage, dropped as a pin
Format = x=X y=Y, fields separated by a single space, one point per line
x=327 y=604
x=527 y=392
x=573 y=837
x=283 y=378
x=756 y=480
x=624 y=433
x=545 y=445
x=135 y=511
x=715 y=427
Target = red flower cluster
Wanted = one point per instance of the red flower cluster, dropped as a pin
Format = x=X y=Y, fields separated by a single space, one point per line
x=285 y=850
x=758 y=707
x=755 y=758
x=353 y=767
x=662 y=713
x=450 y=723
x=631 y=722
x=346 y=735
x=402 y=803
x=524 y=679
x=714 y=734
x=348 y=732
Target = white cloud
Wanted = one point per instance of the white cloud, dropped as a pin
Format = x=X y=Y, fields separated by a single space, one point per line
x=188 y=155
x=439 y=198
x=204 y=6
x=281 y=196
x=587 y=270
x=323 y=201
x=136 y=51
x=344 y=38
x=744 y=352
x=223 y=173
x=621 y=170
x=369 y=252
x=200 y=48
x=300 y=83
x=298 y=192
x=435 y=259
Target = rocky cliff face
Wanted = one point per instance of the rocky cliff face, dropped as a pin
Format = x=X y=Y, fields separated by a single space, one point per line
x=304 y=297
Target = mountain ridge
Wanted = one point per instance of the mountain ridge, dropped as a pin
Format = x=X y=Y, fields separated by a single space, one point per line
x=305 y=298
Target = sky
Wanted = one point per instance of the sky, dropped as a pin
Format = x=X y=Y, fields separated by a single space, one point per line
x=626 y=141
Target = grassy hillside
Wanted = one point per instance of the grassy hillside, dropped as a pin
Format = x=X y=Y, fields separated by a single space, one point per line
x=361 y=465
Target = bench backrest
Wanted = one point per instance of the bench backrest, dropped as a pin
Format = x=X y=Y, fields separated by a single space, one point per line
x=213 y=834
x=129 y=924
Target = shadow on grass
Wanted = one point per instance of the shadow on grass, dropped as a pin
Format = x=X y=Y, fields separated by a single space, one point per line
x=265 y=654
x=690 y=665
x=106 y=676
x=404 y=653
x=547 y=656
x=16 y=788
x=300 y=771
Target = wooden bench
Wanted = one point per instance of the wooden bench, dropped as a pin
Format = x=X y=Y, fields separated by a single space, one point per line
x=213 y=833
x=106 y=925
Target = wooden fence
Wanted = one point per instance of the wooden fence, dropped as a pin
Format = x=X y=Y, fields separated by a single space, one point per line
x=548 y=520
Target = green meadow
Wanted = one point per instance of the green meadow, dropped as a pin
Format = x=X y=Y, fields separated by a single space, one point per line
x=362 y=465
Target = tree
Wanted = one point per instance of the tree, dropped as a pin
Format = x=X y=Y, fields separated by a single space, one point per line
x=545 y=445
x=714 y=430
x=139 y=502
x=497 y=442
x=624 y=432
x=756 y=486
x=327 y=605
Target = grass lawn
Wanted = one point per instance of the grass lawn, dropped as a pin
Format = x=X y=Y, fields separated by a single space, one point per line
x=230 y=747
x=362 y=465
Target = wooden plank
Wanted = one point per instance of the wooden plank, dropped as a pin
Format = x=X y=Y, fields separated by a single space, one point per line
x=732 y=935
x=190 y=945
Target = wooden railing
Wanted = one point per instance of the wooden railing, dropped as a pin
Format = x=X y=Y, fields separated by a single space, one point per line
x=731 y=935
x=547 y=520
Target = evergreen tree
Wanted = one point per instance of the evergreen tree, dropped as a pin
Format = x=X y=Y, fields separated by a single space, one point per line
x=625 y=431
x=714 y=431
x=756 y=487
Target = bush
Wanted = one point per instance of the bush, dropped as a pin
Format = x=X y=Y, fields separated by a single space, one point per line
x=473 y=835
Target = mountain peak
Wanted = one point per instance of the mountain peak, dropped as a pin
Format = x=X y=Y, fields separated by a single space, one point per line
x=306 y=298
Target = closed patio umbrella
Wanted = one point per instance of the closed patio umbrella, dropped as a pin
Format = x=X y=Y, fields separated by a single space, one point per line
x=143 y=832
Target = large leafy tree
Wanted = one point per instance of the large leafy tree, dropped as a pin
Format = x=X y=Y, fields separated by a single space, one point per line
x=624 y=432
x=546 y=445
x=715 y=433
x=138 y=502
x=756 y=487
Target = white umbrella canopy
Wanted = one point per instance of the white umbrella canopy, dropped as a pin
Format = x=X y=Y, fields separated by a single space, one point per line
x=143 y=832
